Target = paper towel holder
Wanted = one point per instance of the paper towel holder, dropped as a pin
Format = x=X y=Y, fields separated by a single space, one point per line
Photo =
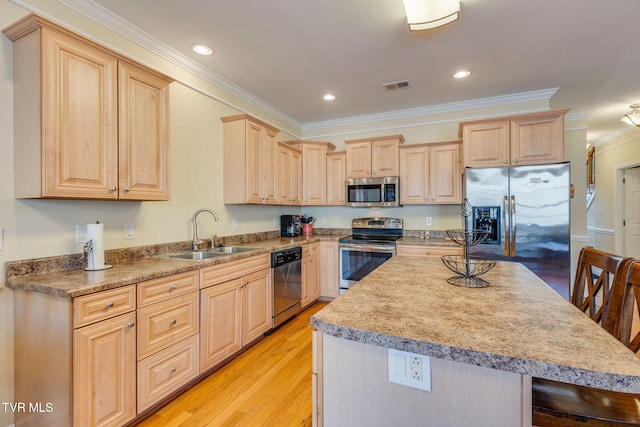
x=93 y=248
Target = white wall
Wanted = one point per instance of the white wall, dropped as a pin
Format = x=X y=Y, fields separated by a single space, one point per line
x=605 y=215
x=40 y=228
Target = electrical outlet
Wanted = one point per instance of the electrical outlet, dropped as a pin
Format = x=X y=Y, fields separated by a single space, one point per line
x=130 y=231
x=323 y=220
x=275 y=221
x=409 y=369
x=415 y=368
x=429 y=221
x=81 y=233
x=235 y=224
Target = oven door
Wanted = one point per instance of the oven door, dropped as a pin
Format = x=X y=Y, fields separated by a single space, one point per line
x=359 y=259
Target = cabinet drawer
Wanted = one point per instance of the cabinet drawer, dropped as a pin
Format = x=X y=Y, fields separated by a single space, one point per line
x=163 y=372
x=166 y=322
x=230 y=270
x=163 y=288
x=103 y=305
x=420 y=250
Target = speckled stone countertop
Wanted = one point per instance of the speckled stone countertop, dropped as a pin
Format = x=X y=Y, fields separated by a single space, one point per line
x=518 y=324
x=71 y=283
x=433 y=241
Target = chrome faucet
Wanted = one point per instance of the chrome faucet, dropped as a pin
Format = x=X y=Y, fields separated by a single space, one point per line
x=197 y=242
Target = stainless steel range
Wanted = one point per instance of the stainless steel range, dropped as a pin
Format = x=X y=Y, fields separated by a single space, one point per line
x=373 y=241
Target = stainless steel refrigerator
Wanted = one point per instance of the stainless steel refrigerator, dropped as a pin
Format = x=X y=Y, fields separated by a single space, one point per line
x=525 y=209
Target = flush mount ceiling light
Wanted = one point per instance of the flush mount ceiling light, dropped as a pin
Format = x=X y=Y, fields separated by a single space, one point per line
x=461 y=74
x=329 y=97
x=427 y=14
x=633 y=119
x=201 y=49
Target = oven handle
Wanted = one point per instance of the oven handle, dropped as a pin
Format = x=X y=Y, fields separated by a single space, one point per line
x=367 y=248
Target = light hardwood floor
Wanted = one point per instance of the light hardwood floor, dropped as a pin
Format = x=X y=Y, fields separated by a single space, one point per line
x=267 y=385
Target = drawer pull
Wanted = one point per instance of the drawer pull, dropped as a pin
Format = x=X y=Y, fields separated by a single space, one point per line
x=131 y=324
x=110 y=304
x=172 y=370
x=173 y=322
x=172 y=287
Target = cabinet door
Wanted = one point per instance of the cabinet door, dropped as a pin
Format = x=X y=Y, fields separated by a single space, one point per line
x=538 y=139
x=414 y=175
x=295 y=177
x=314 y=167
x=104 y=372
x=314 y=286
x=329 y=273
x=256 y=178
x=486 y=144
x=359 y=160
x=220 y=334
x=284 y=174
x=445 y=174
x=79 y=113
x=384 y=157
x=256 y=302
x=336 y=174
x=143 y=119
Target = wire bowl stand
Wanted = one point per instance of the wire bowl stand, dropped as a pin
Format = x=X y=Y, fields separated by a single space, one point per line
x=468 y=268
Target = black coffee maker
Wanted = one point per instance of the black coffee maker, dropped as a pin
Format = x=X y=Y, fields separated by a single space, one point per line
x=289 y=225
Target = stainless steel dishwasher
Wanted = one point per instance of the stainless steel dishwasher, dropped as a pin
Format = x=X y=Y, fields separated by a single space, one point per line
x=287 y=284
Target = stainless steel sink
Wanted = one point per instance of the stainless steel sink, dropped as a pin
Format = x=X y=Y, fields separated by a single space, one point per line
x=210 y=253
x=195 y=255
x=230 y=249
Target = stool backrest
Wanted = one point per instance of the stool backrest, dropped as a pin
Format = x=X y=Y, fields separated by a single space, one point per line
x=592 y=288
x=625 y=302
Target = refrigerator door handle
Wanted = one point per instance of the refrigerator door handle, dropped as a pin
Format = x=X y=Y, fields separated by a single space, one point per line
x=505 y=222
x=513 y=226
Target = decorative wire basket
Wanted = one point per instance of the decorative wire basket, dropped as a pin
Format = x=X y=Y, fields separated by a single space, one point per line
x=467 y=237
x=468 y=268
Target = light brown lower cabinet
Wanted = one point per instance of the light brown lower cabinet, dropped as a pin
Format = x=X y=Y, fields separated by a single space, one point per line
x=310 y=274
x=329 y=274
x=235 y=307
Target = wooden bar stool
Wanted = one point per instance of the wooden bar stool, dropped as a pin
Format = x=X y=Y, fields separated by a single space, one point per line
x=558 y=404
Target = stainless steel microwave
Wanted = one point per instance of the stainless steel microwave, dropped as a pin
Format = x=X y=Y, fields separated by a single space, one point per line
x=373 y=192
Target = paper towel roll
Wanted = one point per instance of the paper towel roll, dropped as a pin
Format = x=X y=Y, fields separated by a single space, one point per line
x=95 y=247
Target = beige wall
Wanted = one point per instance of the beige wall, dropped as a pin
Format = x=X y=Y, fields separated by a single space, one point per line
x=40 y=228
x=606 y=213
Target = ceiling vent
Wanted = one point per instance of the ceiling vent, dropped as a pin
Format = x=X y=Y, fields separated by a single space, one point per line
x=396 y=85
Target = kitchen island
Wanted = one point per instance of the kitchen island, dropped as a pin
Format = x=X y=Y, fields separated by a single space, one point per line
x=484 y=344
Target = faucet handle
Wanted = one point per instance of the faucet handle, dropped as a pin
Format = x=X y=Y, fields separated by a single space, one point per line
x=213 y=239
x=196 y=243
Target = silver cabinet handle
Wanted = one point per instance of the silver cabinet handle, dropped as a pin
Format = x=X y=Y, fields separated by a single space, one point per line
x=131 y=324
x=172 y=287
x=172 y=370
x=110 y=304
x=127 y=189
x=112 y=189
x=173 y=322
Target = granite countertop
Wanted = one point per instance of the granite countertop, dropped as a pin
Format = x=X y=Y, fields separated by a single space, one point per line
x=518 y=324
x=72 y=283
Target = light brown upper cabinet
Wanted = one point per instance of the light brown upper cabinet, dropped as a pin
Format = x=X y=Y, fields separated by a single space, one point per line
x=372 y=157
x=336 y=174
x=250 y=154
x=430 y=173
x=289 y=175
x=527 y=139
x=89 y=123
x=314 y=170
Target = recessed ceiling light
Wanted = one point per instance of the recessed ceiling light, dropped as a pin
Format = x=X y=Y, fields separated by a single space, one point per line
x=329 y=97
x=201 y=49
x=462 y=74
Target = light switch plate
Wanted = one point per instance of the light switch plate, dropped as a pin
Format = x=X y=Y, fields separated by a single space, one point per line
x=1 y=239
x=129 y=231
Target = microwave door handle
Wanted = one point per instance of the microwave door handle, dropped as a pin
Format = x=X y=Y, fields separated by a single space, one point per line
x=513 y=226
x=507 y=231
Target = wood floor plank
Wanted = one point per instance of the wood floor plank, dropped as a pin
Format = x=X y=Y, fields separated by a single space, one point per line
x=267 y=385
